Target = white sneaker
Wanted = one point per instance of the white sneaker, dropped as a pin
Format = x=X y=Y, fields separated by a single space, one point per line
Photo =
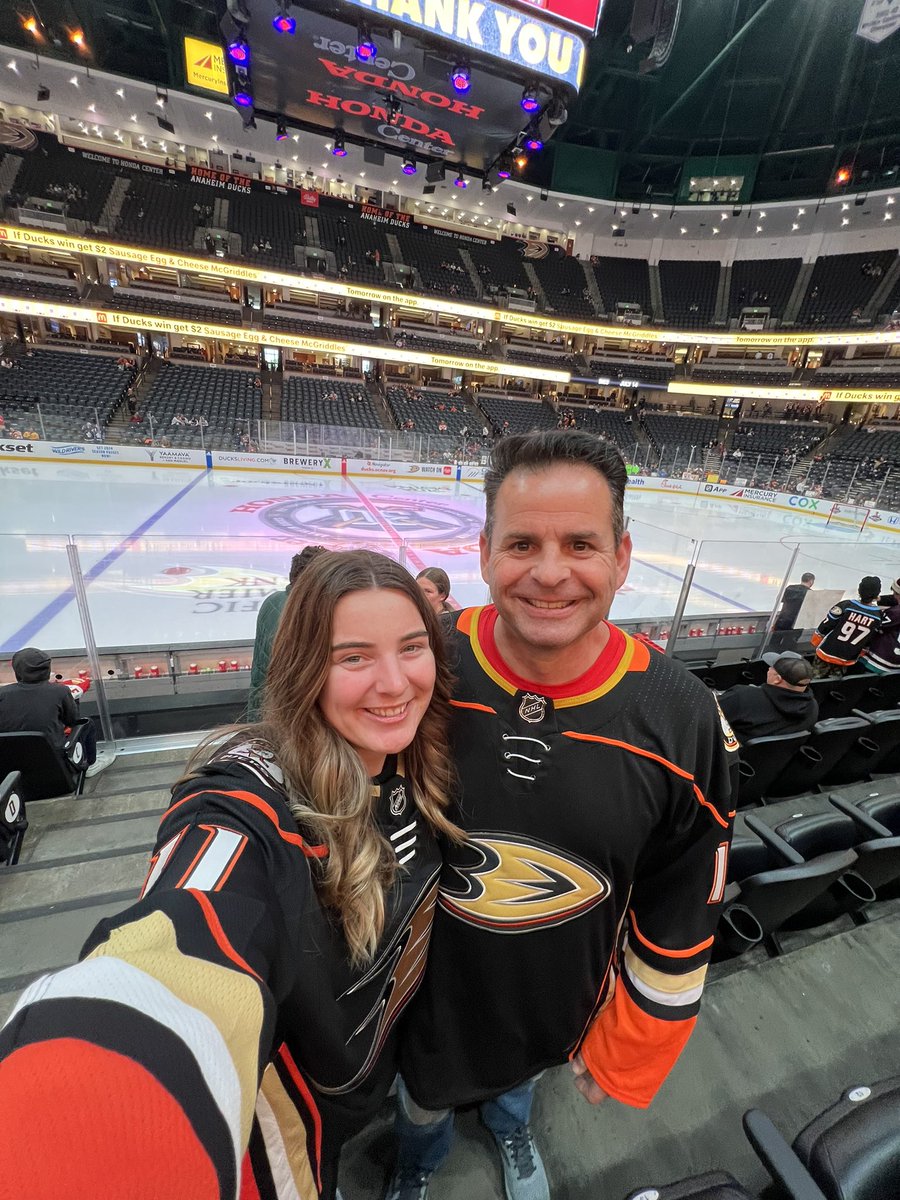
x=105 y=758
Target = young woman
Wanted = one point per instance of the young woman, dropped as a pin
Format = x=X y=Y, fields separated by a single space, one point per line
x=435 y=583
x=229 y=1032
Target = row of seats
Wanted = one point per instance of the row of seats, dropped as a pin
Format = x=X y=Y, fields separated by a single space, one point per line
x=167 y=211
x=428 y=410
x=310 y=401
x=358 y=331
x=850 y=1151
x=72 y=389
x=131 y=300
x=669 y=432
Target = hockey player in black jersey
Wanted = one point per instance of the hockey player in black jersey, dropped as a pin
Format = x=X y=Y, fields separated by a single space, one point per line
x=577 y=920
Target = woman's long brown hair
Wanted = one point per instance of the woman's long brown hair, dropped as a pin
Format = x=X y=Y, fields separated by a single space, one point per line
x=328 y=790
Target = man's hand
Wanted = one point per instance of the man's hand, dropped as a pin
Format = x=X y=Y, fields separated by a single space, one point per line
x=585 y=1082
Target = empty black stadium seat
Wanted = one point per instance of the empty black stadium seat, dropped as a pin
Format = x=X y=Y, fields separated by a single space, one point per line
x=883 y=691
x=13 y=822
x=725 y=675
x=792 y=1177
x=821 y=838
x=883 y=809
x=838 y=697
x=773 y=896
x=712 y=1185
x=762 y=761
x=827 y=746
x=873 y=752
x=44 y=771
x=852 y=1149
x=877 y=858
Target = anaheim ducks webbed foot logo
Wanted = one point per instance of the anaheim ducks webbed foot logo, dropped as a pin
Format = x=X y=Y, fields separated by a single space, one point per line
x=513 y=884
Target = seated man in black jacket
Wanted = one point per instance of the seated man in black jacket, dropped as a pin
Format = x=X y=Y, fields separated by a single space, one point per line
x=35 y=705
x=783 y=704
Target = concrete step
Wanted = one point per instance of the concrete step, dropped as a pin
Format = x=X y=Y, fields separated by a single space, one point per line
x=34 y=887
x=90 y=837
x=34 y=945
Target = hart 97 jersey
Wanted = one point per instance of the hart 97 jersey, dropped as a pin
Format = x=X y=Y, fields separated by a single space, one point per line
x=216 y=1041
x=846 y=630
x=580 y=912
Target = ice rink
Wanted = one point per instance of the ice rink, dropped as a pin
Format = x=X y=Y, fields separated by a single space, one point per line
x=173 y=556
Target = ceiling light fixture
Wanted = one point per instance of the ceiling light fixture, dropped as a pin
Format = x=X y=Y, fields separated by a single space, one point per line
x=280 y=130
x=338 y=149
x=531 y=99
x=366 y=50
x=283 y=22
x=461 y=77
x=460 y=181
x=409 y=165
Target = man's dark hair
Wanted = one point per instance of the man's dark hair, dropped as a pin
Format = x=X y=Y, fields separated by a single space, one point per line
x=540 y=449
x=301 y=561
x=869 y=588
x=807 y=577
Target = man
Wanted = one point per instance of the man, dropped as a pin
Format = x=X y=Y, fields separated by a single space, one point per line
x=783 y=704
x=577 y=920
x=35 y=705
x=846 y=630
x=792 y=602
x=266 y=627
x=882 y=656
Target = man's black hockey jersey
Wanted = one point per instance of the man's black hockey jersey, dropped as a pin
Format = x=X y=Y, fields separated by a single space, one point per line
x=845 y=631
x=215 y=1040
x=580 y=913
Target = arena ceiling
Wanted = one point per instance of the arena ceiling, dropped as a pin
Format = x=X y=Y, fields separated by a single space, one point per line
x=780 y=94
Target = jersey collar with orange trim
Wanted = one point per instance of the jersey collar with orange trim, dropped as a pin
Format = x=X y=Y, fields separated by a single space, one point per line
x=620 y=655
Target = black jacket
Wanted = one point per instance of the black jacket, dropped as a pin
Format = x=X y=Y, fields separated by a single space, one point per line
x=767 y=710
x=37 y=708
x=791 y=603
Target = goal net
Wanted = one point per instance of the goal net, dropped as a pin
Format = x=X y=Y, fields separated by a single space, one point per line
x=851 y=517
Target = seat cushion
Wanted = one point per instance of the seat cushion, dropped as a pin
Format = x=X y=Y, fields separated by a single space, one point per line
x=853 y=1148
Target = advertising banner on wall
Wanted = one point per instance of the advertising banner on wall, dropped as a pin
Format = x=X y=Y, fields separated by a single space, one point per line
x=25 y=451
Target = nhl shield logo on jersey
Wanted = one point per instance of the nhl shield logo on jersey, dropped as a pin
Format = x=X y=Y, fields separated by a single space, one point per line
x=397 y=801
x=533 y=708
x=513 y=884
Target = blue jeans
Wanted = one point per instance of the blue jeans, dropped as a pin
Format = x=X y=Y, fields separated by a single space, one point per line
x=425 y=1136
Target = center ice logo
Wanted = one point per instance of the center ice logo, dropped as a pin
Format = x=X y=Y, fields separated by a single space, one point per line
x=344 y=521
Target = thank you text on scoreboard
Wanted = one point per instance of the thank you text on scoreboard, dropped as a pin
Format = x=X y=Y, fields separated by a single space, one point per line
x=485 y=27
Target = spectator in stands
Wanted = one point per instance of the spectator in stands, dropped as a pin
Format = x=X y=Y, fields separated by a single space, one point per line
x=35 y=705
x=266 y=627
x=783 y=704
x=882 y=655
x=435 y=583
x=295 y=956
x=792 y=601
x=847 y=629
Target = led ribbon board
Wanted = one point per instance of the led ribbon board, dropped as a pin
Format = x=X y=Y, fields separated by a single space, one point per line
x=42 y=239
x=485 y=27
x=801 y=395
x=267 y=337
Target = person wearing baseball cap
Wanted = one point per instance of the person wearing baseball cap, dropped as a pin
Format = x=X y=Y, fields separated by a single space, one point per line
x=783 y=704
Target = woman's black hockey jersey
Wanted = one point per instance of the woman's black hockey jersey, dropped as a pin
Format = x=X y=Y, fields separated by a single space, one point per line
x=215 y=1040
x=580 y=913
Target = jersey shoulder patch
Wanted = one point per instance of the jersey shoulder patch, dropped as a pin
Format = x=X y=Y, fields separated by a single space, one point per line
x=731 y=742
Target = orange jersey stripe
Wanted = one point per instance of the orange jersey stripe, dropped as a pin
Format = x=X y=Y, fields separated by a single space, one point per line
x=688 y=953
x=221 y=939
x=266 y=809
x=701 y=799
x=81 y=1139
x=485 y=708
x=285 y=1055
